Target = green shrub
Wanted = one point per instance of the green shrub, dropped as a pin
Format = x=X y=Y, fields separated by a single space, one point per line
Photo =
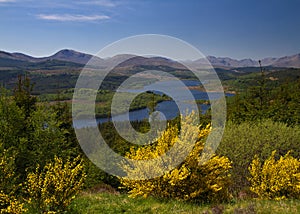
x=242 y=141
x=53 y=188
x=36 y=137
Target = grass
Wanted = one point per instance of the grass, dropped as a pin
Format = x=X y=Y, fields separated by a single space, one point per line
x=112 y=203
x=94 y=203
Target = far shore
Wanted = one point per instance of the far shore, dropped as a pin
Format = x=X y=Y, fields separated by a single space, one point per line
x=201 y=88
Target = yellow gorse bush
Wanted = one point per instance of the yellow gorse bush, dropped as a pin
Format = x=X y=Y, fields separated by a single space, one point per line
x=7 y=174
x=189 y=180
x=53 y=188
x=8 y=203
x=275 y=179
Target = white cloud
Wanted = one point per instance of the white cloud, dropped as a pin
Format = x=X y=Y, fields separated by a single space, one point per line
x=4 y=1
x=104 y=3
x=69 y=17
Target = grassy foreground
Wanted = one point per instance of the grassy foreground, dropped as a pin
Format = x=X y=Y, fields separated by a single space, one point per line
x=95 y=203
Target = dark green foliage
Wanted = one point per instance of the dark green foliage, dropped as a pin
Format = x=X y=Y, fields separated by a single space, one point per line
x=280 y=103
x=53 y=83
x=241 y=79
x=63 y=116
x=22 y=96
x=34 y=132
x=111 y=137
x=96 y=176
x=284 y=74
x=12 y=120
x=285 y=104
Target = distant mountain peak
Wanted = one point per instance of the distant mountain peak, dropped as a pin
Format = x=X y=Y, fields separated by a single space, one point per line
x=71 y=56
x=69 y=52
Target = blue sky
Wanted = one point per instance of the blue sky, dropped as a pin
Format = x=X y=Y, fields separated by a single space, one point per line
x=234 y=28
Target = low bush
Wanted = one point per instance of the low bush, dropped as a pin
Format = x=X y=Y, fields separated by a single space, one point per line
x=54 y=187
x=242 y=141
x=275 y=179
x=190 y=181
x=10 y=205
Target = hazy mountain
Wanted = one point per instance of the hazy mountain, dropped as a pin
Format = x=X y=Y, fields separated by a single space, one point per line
x=82 y=58
x=288 y=61
x=18 y=57
x=63 y=55
x=268 y=61
x=228 y=62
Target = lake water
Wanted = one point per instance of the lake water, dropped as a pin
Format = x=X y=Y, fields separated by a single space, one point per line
x=168 y=108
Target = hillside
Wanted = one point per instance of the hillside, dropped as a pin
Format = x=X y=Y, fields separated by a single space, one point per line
x=60 y=71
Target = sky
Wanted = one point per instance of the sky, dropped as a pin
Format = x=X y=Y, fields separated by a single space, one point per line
x=233 y=28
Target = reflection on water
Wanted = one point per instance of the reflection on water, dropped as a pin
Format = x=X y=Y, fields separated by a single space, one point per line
x=168 y=108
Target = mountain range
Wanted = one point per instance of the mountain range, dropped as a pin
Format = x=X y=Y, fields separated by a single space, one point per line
x=82 y=58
